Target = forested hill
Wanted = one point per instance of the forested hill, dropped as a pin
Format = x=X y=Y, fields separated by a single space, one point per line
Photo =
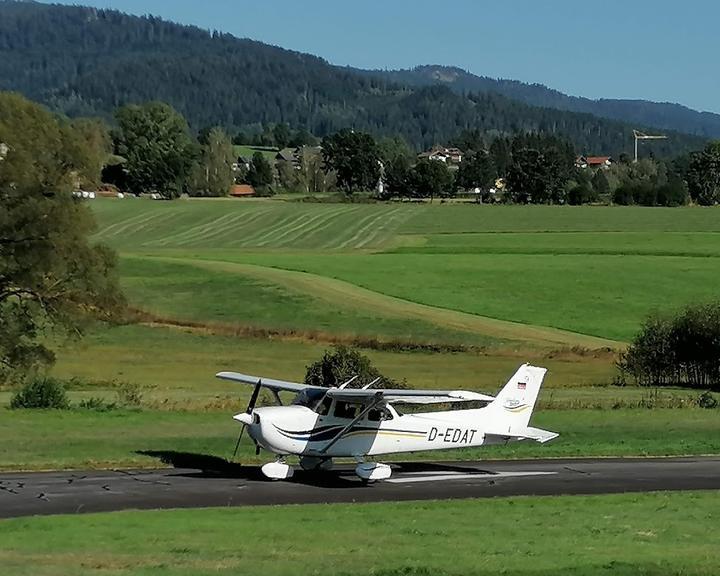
x=662 y=115
x=84 y=61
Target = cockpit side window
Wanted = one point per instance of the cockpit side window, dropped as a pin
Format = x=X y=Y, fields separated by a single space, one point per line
x=347 y=409
x=324 y=407
x=310 y=398
x=379 y=414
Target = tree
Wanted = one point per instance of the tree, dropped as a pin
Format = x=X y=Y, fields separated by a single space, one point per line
x=355 y=158
x=541 y=166
x=476 y=171
x=281 y=135
x=214 y=171
x=674 y=193
x=703 y=175
x=600 y=182
x=240 y=138
x=470 y=141
x=52 y=280
x=302 y=138
x=310 y=175
x=203 y=135
x=581 y=193
x=155 y=141
x=501 y=155
x=393 y=147
x=260 y=174
x=90 y=140
x=677 y=350
x=430 y=178
x=397 y=177
x=287 y=176
x=528 y=180
x=340 y=364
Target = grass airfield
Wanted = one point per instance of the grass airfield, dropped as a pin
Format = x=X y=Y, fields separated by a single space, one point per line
x=656 y=534
x=444 y=296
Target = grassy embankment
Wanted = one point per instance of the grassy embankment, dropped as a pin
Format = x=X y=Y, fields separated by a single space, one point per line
x=264 y=287
x=657 y=534
x=81 y=439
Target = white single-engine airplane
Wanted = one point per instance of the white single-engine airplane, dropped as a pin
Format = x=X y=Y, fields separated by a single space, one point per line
x=326 y=423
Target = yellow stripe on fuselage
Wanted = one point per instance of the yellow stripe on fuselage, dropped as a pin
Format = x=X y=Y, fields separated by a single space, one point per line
x=386 y=433
x=517 y=409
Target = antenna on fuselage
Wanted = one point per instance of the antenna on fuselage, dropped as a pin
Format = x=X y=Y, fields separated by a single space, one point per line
x=347 y=382
x=371 y=383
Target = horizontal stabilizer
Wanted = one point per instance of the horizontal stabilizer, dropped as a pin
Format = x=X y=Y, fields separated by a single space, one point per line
x=527 y=433
x=540 y=435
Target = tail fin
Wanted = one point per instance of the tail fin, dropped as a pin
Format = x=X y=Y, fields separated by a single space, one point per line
x=515 y=402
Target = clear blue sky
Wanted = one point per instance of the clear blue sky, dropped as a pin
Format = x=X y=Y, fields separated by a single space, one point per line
x=658 y=50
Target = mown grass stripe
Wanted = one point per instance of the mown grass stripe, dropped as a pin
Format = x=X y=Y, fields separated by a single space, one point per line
x=196 y=230
x=319 y=221
x=338 y=220
x=386 y=230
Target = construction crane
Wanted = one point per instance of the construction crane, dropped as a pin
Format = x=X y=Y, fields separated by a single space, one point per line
x=642 y=136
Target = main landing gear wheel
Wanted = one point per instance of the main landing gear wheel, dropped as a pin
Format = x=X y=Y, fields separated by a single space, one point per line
x=277 y=470
x=372 y=471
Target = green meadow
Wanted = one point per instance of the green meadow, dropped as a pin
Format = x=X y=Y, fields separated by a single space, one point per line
x=81 y=439
x=594 y=271
x=657 y=534
x=441 y=296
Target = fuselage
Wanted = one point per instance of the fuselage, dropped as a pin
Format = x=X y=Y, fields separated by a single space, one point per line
x=298 y=430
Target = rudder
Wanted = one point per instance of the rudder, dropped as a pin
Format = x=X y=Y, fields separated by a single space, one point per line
x=516 y=401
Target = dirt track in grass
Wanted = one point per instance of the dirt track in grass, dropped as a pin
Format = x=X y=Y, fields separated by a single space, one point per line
x=335 y=291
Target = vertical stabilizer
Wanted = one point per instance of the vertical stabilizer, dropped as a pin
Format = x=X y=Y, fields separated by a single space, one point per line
x=514 y=404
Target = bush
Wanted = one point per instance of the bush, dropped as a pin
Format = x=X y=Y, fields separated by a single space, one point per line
x=97 y=404
x=42 y=392
x=623 y=196
x=342 y=363
x=683 y=350
x=707 y=400
x=129 y=395
x=581 y=194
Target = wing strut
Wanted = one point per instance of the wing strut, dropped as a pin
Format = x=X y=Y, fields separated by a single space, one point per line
x=377 y=399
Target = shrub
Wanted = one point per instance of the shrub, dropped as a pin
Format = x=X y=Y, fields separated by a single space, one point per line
x=342 y=363
x=97 y=404
x=581 y=194
x=707 y=400
x=683 y=350
x=41 y=392
x=129 y=395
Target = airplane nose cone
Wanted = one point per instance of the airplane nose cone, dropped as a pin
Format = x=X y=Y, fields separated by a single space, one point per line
x=244 y=417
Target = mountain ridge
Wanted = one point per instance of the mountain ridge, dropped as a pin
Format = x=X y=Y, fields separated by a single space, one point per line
x=89 y=61
x=661 y=115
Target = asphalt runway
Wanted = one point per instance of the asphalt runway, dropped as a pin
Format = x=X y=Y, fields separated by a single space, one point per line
x=201 y=481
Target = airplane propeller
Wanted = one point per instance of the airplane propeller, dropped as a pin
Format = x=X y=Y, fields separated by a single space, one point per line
x=248 y=411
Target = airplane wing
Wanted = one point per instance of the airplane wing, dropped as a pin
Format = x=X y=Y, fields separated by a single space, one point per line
x=277 y=385
x=359 y=395
x=404 y=396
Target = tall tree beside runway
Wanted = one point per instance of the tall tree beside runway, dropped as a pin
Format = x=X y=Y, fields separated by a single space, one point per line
x=52 y=279
x=155 y=141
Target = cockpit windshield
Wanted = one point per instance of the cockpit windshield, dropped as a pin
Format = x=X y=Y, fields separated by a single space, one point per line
x=310 y=398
